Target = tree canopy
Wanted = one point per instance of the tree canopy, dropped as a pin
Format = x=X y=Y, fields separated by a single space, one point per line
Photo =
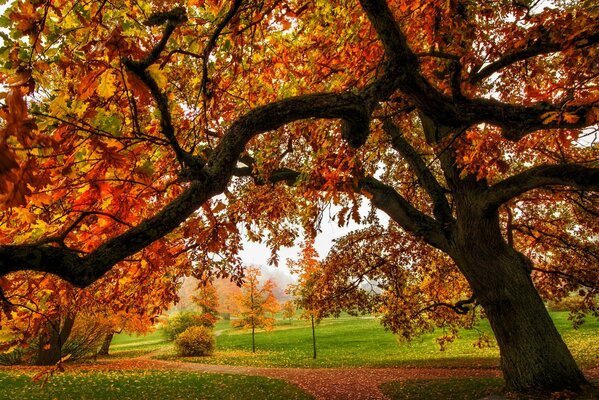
x=140 y=141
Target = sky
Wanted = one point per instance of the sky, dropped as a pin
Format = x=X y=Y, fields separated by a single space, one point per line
x=258 y=254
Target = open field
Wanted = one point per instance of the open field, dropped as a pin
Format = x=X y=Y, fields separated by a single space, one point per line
x=361 y=341
x=347 y=342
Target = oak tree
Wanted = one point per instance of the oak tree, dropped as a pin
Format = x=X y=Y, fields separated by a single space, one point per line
x=135 y=132
x=257 y=304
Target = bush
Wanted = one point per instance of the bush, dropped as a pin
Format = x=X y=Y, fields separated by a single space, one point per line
x=14 y=357
x=195 y=341
x=180 y=322
x=568 y=303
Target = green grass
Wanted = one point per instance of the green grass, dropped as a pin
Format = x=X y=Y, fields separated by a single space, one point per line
x=128 y=346
x=354 y=341
x=457 y=389
x=164 y=385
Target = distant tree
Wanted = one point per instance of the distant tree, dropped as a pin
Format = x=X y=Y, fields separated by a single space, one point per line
x=124 y=322
x=309 y=300
x=228 y=292
x=288 y=309
x=207 y=299
x=257 y=304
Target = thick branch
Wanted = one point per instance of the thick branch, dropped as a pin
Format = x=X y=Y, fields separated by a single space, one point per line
x=515 y=120
x=441 y=208
x=208 y=182
x=385 y=198
x=574 y=175
x=346 y=106
x=541 y=46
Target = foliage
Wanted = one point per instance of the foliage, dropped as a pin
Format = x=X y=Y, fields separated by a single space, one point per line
x=179 y=322
x=228 y=293
x=138 y=143
x=12 y=357
x=147 y=384
x=195 y=341
x=288 y=310
x=206 y=298
x=257 y=303
x=307 y=298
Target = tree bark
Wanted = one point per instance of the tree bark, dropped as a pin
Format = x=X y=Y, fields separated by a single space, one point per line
x=534 y=358
x=106 y=344
x=51 y=343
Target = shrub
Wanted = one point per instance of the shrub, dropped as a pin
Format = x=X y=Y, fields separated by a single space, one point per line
x=13 y=357
x=195 y=341
x=568 y=303
x=180 y=322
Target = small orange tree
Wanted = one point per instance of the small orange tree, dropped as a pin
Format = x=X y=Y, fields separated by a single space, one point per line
x=309 y=300
x=257 y=304
x=206 y=298
x=288 y=309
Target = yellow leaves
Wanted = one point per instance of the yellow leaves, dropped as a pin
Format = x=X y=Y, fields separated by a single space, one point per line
x=58 y=106
x=106 y=87
x=158 y=75
x=550 y=117
x=559 y=117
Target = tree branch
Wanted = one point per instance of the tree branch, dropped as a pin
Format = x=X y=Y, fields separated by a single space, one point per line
x=515 y=120
x=459 y=307
x=207 y=182
x=441 y=208
x=385 y=198
x=574 y=175
x=568 y=277
x=542 y=45
x=173 y=19
x=212 y=42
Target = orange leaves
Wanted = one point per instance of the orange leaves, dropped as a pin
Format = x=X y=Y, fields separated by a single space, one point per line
x=26 y=18
x=88 y=84
x=557 y=117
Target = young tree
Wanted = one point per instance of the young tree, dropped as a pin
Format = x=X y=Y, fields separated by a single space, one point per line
x=257 y=304
x=315 y=304
x=460 y=122
x=206 y=298
x=228 y=292
x=288 y=310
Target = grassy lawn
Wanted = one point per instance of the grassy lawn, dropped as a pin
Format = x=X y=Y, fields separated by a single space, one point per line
x=355 y=341
x=127 y=346
x=164 y=385
x=456 y=389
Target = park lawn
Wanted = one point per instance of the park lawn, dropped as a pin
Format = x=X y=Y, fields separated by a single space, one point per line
x=135 y=385
x=361 y=341
x=460 y=389
x=126 y=346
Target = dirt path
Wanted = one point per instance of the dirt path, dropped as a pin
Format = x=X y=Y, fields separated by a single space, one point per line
x=322 y=383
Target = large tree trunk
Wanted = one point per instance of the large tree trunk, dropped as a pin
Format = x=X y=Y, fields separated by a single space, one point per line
x=51 y=342
x=534 y=358
x=106 y=344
